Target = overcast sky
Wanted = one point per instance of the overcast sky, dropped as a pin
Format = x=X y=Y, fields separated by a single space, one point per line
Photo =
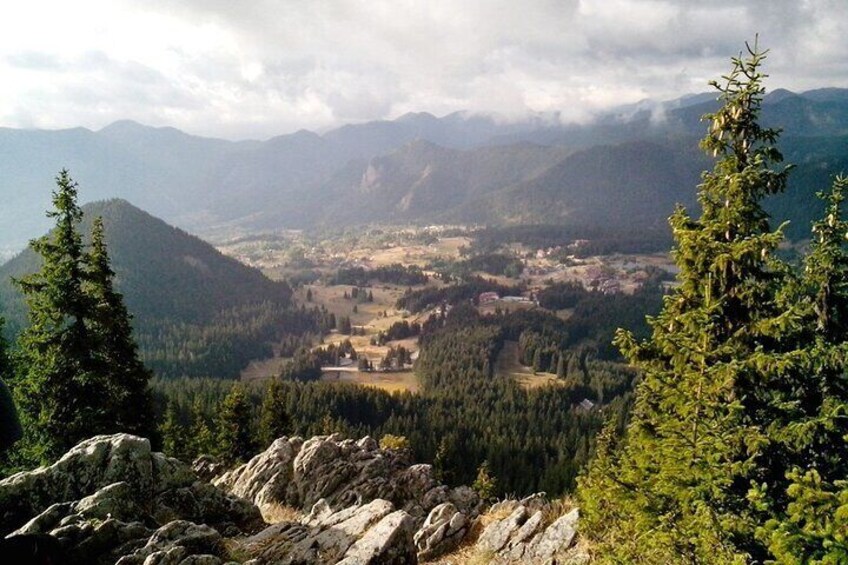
x=257 y=68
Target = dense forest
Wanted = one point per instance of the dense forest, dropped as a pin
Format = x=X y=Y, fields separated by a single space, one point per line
x=604 y=240
x=492 y=263
x=466 y=414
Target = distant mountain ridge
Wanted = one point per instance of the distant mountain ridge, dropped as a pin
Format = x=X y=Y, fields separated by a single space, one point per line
x=300 y=179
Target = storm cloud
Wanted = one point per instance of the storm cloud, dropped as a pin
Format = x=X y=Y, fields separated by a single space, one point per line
x=265 y=67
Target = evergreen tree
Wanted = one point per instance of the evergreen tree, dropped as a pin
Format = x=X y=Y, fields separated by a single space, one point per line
x=173 y=433
x=805 y=513
x=235 y=429
x=485 y=484
x=125 y=375
x=677 y=488
x=202 y=439
x=60 y=389
x=10 y=427
x=274 y=421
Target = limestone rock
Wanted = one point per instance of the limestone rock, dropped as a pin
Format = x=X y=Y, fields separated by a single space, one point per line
x=344 y=473
x=387 y=543
x=557 y=537
x=104 y=498
x=443 y=530
x=522 y=538
x=82 y=471
x=174 y=542
x=370 y=533
x=497 y=534
x=208 y=468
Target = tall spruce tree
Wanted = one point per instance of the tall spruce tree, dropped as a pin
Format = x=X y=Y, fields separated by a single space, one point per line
x=116 y=351
x=79 y=373
x=60 y=389
x=235 y=427
x=676 y=489
x=274 y=421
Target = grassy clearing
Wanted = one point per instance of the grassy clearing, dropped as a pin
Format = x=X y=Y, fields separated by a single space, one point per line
x=419 y=255
x=263 y=369
x=396 y=381
x=509 y=365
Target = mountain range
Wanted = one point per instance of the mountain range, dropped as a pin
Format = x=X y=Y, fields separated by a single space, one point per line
x=628 y=166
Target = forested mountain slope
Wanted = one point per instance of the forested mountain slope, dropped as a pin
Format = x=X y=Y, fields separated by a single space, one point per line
x=196 y=312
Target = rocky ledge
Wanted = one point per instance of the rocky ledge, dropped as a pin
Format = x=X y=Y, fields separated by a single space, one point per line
x=111 y=499
x=297 y=473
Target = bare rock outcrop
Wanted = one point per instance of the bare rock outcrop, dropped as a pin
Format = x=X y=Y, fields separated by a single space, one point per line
x=442 y=531
x=111 y=496
x=111 y=499
x=299 y=473
x=523 y=537
x=368 y=534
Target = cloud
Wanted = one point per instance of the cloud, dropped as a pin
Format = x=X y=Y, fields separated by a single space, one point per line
x=265 y=67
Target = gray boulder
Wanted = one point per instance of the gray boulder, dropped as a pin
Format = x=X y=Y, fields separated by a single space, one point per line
x=106 y=496
x=522 y=537
x=442 y=531
x=373 y=533
x=298 y=473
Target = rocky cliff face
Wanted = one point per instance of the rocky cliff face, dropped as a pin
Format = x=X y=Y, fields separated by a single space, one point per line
x=111 y=500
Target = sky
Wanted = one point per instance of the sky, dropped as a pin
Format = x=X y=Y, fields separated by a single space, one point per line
x=252 y=69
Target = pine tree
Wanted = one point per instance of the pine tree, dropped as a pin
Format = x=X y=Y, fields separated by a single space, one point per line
x=173 y=433
x=677 y=489
x=60 y=389
x=235 y=429
x=125 y=375
x=80 y=372
x=202 y=438
x=274 y=421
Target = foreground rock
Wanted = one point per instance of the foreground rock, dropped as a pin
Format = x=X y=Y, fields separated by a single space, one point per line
x=111 y=496
x=298 y=473
x=370 y=534
x=520 y=535
x=112 y=500
x=442 y=532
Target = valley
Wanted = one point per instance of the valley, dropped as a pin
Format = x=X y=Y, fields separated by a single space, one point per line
x=458 y=283
x=440 y=252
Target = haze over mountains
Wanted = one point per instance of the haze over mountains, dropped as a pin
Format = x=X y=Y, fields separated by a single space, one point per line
x=625 y=170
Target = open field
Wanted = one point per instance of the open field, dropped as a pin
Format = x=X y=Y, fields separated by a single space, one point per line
x=420 y=255
x=396 y=381
x=263 y=369
x=368 y=313
x=508 y=365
